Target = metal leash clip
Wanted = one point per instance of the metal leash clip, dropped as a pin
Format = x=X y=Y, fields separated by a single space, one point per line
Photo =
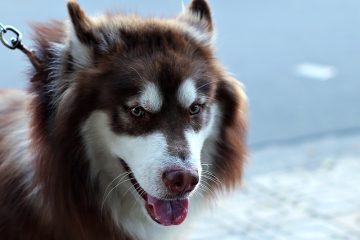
x=16 y=43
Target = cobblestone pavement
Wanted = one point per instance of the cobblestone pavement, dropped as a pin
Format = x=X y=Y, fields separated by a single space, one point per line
x=317 y=198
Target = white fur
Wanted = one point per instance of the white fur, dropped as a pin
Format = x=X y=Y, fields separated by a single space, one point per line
x=17 y=134
x=98 y=137
x=186 y=93
x=150 y=98
x=21 y=157
x=200 y=36
x=82 y=55
x=146 y=156
x=196 y=139
x=196 y=27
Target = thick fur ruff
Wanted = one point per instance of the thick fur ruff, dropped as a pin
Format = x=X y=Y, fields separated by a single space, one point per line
x=118 y=101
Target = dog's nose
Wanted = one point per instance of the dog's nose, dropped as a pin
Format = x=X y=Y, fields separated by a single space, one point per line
x=180 y=181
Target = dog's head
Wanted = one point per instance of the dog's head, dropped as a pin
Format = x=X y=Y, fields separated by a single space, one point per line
x=154 y=106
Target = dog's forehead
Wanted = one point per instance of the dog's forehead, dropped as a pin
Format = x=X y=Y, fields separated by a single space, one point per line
x=165 y=66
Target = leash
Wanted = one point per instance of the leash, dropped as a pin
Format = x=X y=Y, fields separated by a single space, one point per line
x=16 y=43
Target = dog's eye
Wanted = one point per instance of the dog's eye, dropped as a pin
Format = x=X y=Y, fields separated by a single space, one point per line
x=195 y=109
x=137 y=111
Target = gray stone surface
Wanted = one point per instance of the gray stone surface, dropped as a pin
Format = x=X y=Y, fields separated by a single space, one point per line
x=312 y=192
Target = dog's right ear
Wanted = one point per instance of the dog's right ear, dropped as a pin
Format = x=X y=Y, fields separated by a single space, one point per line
x=82 y=25
x=83 y=39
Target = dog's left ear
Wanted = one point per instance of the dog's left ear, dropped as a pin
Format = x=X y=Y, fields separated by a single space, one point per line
x=198 y=16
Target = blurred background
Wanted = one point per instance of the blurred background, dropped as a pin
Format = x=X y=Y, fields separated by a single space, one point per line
x=299 y=60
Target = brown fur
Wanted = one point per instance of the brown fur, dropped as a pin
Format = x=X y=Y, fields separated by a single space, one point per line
x=54 y=168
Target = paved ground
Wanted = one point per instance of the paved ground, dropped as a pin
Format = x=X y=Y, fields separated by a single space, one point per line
x=313 y=195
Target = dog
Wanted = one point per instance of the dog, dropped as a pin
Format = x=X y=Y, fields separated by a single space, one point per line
x=129 y=130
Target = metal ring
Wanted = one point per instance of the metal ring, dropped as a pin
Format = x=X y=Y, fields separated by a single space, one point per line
x=14 y=41
x=2 y=29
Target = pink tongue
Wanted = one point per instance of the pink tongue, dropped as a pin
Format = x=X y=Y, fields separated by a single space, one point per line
x=167 y=212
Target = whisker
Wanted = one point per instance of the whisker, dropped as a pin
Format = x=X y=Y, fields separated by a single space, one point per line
x=208 y=189
x=141 y=193
x=208 y=173
x=108 y=194
x=137 y=73
x=207 y=176
x=199 y=193
x=213 y=181
x=127 y=191
x=202 y=189
x=121 y=179
x=119 y=176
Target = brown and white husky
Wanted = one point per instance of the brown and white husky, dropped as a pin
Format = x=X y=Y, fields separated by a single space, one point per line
x=127 y=131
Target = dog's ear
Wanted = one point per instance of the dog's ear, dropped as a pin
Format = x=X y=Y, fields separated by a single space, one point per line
x=85 y=36
x=83 y=39
x=198 y=16
x=82 y=25
x=201 y=11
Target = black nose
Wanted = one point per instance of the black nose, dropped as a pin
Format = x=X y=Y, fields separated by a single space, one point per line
x=180 y=181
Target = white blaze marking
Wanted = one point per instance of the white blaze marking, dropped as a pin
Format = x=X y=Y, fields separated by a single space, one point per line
x=196 y=140
x=186 y=93
x=316 y=71
x=151 y=97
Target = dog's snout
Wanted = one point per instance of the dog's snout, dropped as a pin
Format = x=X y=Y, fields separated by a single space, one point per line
x=180 y=181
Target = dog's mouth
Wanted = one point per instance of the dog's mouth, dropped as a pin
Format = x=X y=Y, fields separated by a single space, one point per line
x=163 y=211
